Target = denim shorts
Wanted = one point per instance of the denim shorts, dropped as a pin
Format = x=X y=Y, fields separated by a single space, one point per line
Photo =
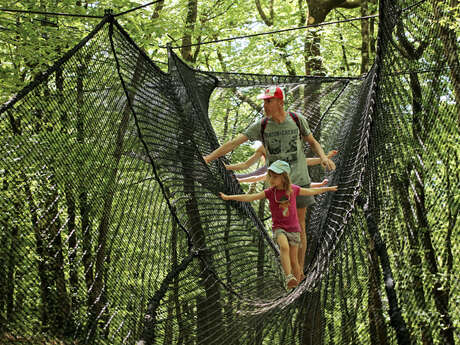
x=303 y=201
x=292 y=237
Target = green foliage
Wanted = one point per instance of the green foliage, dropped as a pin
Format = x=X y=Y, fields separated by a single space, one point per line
x=33 y=42
x=43 y=165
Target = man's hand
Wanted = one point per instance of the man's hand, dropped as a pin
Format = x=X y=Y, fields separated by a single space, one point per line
x=327 y=163
x=206 y=159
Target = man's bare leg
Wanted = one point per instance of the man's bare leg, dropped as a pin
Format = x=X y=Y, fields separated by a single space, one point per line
x=301 y=214
x=293 y=254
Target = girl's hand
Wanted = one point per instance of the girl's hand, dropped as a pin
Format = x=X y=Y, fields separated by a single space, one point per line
x=231 y=166
x=223 y=196
x=328 y=164
x=332 y=153
x=333 y=188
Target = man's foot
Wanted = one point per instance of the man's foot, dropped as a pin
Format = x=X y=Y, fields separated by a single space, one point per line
x=291 y=281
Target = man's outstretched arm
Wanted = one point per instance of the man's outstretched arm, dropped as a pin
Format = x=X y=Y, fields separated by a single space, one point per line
x=226 y=148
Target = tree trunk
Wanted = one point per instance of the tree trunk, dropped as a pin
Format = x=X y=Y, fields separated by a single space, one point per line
x=414 y=258
x=174 y=263
x=420 y=130
x=450 y=43
x=260 y=269
x=233 y=339
x=210 y=303
x=344 y=54
x=97 y=294
x=192 y=13
x=396 y=319
x=71 y=206
x=364 y=38
x=372 y=40
x=4 y=223
x=55 y=309
x=345 y=339
x=52 y=226
x=9 y=257
x=158 y=8
x=268 y=20
x=168 y=324
x=84 y=207
x=312 y=54
x=318 y=11
x=440 y=294
x=453 y=216
x=377 y=326
x=44 y=292
x=54 y=300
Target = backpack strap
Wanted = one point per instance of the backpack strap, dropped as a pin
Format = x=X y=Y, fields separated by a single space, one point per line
x=263 y=124
x=297 y=122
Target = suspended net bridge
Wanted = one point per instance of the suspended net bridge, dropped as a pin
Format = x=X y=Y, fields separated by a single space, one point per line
x=113 y=231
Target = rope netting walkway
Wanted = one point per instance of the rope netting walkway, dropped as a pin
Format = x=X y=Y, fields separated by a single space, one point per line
x=113 y=232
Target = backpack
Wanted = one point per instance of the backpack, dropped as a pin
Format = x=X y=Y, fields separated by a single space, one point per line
x=264 y=122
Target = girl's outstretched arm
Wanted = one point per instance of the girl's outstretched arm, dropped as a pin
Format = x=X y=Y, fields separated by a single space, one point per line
x=332 y=153
x=243 y=197
x=244 y=165
x=319 y=184
x=260 y=152
x=316 y=161
x=252 y=179
x=314 y=191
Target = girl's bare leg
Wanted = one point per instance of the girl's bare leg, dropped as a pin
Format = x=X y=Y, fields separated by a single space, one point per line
x=301 y=213
x=284 y=253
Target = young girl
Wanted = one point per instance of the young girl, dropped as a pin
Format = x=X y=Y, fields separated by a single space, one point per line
x=282 y=201
x=261 y=173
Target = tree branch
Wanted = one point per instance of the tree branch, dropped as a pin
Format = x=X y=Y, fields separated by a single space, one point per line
x=348 y=4
x=267 y=20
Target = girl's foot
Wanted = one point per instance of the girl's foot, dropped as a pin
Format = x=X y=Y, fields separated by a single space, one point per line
x=291 y=281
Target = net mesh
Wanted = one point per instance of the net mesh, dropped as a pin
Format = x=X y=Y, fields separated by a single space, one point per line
x=113 y=232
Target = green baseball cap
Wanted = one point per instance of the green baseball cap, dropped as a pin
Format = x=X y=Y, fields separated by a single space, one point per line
x=280 y=167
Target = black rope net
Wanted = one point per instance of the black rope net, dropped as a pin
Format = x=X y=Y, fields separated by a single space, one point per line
x=113 y=233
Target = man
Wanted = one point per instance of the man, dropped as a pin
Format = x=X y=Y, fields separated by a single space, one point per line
x=282 y=141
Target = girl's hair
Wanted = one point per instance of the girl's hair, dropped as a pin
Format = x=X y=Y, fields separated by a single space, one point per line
x=286 y=185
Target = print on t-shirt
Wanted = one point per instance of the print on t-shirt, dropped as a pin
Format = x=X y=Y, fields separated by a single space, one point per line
x=274 y=146
x=284 y=206
x=286 y=148
x=293 y=144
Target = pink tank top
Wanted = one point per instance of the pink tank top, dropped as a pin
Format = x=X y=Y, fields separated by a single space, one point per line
x=283 y=208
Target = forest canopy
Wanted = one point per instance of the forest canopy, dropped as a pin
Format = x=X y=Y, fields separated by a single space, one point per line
x=110 y=224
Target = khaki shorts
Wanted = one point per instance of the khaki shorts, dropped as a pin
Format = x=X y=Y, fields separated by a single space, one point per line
x=303 y=201
x=292 y=237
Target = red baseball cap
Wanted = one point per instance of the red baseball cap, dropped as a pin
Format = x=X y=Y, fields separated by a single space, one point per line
x=272 y=92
